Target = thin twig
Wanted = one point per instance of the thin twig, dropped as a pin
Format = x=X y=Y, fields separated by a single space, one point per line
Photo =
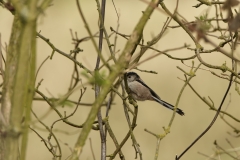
x=90 y=141
x=212 y=122
x=97 y=87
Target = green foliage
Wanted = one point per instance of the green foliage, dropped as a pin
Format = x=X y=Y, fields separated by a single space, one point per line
x=204 y=22
x=97 y=78
x=65 y=103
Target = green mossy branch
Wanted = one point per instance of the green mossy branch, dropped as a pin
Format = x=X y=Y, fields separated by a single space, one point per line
x=19 y=81
x=116 y=70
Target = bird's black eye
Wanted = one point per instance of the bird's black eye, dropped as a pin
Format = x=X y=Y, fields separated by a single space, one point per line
x=129 y=76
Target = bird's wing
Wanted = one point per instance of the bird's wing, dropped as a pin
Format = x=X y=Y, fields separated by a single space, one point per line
x=152 y=92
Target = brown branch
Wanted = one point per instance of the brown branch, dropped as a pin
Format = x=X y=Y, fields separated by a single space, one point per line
x=212 y=122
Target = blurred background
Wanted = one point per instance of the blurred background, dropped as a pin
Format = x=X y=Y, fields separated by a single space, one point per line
x=56 y=23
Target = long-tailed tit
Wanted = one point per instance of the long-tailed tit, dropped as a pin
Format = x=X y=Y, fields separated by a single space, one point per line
x=141 y=92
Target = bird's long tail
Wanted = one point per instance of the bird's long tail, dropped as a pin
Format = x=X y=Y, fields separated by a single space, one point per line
x=169 y=106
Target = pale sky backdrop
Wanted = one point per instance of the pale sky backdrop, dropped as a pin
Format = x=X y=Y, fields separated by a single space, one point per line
x=63 y=15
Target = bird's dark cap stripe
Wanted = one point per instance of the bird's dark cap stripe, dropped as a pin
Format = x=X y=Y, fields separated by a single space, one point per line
x=132 y=73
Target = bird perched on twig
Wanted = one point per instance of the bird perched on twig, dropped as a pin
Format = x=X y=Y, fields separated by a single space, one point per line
x=141 y=92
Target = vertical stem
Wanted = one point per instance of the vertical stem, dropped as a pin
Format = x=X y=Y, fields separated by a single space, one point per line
x=117 y=70
x=19 y=82
x=31 y=27
x=97 y=87
x=157 y=149
x=8 y=82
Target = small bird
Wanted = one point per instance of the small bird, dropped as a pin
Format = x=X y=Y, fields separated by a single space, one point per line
x=141 y=92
